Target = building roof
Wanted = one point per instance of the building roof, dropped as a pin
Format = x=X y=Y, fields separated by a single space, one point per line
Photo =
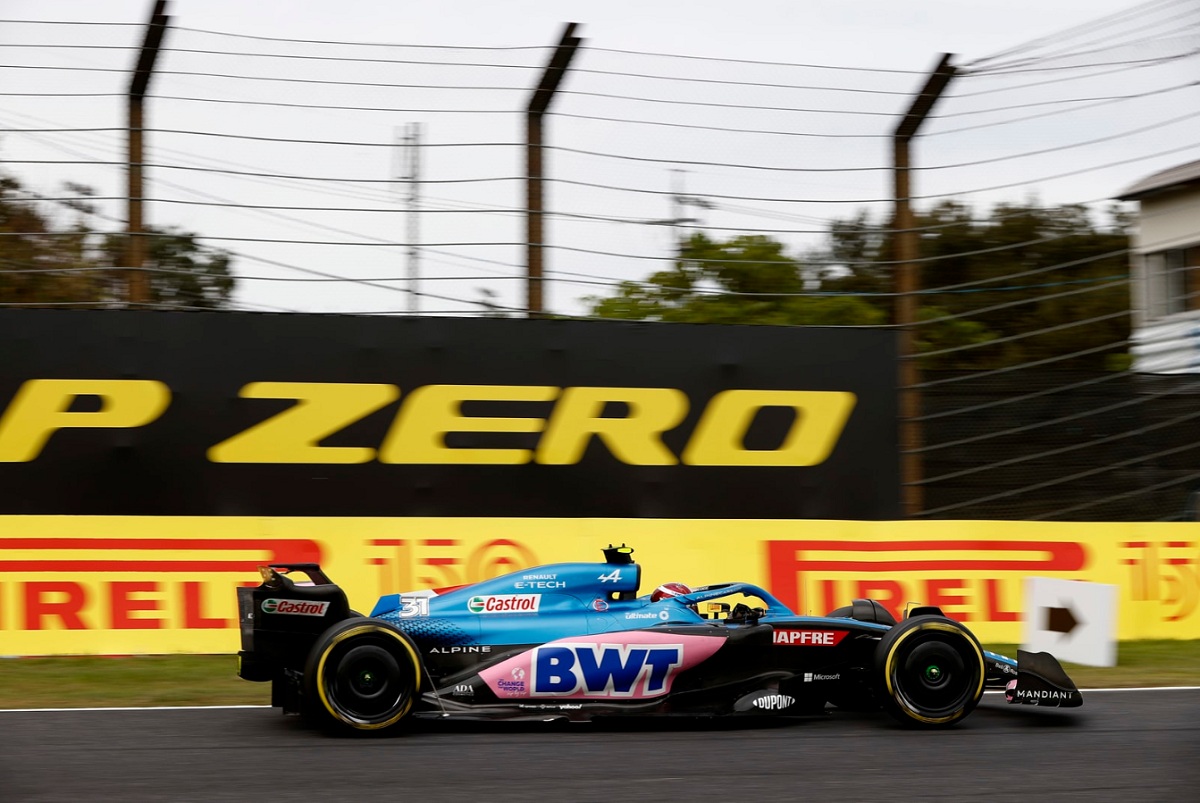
x=1179 y=176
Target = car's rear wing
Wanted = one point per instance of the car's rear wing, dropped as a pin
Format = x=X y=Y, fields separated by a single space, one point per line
x=281 y=618
x=312 y=570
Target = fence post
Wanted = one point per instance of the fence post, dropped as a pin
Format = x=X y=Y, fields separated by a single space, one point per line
x=137 y=282
x=906 y=286
x=538 y=104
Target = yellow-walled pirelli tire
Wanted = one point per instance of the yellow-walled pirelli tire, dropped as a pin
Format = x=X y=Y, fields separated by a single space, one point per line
x=362 y=675
x=929 y=672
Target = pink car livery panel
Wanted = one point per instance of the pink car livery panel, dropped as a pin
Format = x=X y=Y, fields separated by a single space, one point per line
x=635 y=665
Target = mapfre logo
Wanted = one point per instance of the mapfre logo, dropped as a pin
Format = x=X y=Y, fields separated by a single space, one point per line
x=810 y=638
x=295 y=607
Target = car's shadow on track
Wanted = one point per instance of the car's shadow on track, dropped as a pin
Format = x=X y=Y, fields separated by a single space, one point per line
x=1028 y=716
x=663 y=724
x=986 y=716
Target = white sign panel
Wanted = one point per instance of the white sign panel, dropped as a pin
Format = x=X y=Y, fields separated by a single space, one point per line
x=1072 y=620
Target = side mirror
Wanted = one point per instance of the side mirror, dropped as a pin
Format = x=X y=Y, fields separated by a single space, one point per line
x=717 y=610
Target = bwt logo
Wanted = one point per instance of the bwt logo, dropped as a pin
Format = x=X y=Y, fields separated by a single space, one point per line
x=605 y=670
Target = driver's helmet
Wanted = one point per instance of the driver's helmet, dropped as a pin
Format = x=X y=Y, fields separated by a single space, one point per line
x=669 y=590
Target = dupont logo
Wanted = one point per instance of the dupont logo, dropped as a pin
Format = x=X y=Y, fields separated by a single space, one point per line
x=505 y=603
x=774 y=702
x=295 y=607
x=810 y=638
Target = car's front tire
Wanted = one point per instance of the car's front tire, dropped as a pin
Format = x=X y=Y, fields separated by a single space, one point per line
x=929 y=672
x=362 y=675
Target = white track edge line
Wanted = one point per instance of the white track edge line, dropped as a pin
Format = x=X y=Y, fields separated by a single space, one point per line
x=236 y=707
x=1122 y=688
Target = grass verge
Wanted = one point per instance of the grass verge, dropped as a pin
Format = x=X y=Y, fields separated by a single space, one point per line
x=161 y=680
x=88 y=681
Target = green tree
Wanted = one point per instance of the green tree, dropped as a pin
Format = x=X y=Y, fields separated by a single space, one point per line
x=1045 y=281
x=33 y=254
x=188 y=276
x=45 y=262
x=745 y=280
x=1036 y=281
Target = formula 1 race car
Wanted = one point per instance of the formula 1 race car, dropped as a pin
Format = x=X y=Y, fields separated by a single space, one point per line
x=574 y=641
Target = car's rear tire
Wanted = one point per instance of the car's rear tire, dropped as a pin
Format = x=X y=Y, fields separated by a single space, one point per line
x=929 y=672
x=362 y=675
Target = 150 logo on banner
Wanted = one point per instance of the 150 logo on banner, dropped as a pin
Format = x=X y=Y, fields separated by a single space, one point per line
x=43 y=407
x=1167 y=572
x=410 y=564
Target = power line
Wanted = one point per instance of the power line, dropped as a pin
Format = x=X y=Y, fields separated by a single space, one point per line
x=1073 y=49
x=1075 y=416
x=1077 y=446
x=1109 y=498
x=1068 y=478
x=716 y=60
x=275 y=79
x=1126 y=67
x=1116 y=18
x=259 y=38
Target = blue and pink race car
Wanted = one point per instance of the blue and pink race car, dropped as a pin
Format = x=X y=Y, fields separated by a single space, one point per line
x=576 y=641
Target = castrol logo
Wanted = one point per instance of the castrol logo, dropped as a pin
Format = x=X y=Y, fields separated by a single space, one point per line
x=505 y=603
x=295 y=607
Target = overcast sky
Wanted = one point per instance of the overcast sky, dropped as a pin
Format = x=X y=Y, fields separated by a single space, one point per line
x=778 y=124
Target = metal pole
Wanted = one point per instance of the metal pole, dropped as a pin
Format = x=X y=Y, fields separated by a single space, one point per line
x=538 y=104
x=677 y=211
x=137 y=282
x=907 y=283
x=413 y=140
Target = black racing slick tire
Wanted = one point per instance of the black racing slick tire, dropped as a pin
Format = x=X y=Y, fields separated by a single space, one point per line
x=929 y=672
x=362 y=675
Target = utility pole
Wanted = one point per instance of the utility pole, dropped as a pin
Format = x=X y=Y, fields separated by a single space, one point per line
x=136 y=281
x=907 y=283
x=539 y=103
x=411 y=143
x=680 y=201
x=677 y=208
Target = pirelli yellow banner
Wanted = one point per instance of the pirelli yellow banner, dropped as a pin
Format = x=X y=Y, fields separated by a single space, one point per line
x=126 y=585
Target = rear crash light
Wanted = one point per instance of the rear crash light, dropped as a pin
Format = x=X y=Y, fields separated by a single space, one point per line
x=245 y=597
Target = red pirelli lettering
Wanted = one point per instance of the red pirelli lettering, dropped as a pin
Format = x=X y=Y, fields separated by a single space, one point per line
x=123 y=605
x=54 y=599
x=788 y=563
x=257 y=551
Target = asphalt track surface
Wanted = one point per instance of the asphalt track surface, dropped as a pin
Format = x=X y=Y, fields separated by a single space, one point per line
x=1122 y=745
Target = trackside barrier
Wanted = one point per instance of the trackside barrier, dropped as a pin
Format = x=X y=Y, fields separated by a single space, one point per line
x=130 y=585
